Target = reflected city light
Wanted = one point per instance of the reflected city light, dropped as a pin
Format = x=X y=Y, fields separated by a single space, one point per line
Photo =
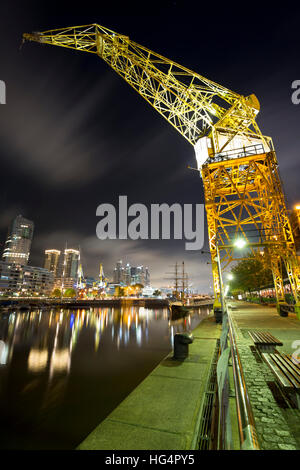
x=37 y=360
x=55 y=334
x=3 y=353
x=60 y=361
x=139 y=335
x=59 y=365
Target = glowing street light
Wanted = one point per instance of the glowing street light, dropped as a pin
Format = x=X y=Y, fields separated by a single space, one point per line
x=230 y=276
x=240 y=243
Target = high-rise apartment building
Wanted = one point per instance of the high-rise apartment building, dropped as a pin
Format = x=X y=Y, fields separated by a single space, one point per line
x=147 y=277
x=137 y=275
x=25 y=280
x=70 y=267
x=127 y=275
x=130 y=275
x=18 y=242
x=52 y=261
x=118 y=275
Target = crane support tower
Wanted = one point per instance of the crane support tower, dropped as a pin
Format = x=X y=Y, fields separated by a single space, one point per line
x=238 y=165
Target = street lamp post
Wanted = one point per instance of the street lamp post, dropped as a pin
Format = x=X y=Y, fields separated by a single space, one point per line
x=241 y=243
x=223 y=306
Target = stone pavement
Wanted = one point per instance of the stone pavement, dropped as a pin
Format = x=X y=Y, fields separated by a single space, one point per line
x=277 y=420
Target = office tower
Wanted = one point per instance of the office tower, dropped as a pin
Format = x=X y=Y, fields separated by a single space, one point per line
x=18 y=242
x=133 y=275
x=52 y=261
x=118 y=273
x=70 y=267
x=147 y=277
x=137 y=275
x=140 y=275
x=127 y=275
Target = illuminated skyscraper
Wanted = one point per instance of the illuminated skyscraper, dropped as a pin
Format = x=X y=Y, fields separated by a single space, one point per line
x=52 y=261
x=137 y=275
x=147 y=277
x=70 y=267
x=127 y=275
x=18 y=242
x=119 y=273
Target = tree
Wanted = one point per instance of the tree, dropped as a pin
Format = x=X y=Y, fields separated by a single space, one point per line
x=156 y=293
x=56 y=293
x=70 y=293
x=250 y=275
x=137 y=288
x=119 y=291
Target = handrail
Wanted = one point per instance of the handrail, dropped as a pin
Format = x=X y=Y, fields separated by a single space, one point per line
x=246 y=423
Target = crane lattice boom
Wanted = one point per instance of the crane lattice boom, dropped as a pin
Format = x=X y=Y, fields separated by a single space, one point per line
x=194 y=105
x=237 y=163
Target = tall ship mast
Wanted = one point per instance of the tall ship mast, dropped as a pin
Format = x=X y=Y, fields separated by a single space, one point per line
x=180 y=279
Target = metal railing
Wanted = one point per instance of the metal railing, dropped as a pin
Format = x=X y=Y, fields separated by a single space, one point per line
x=245 y=418
x=250 y=150
x=246 y=423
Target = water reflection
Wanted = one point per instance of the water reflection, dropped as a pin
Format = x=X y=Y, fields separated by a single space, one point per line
x=66 y=367
x=52 y=335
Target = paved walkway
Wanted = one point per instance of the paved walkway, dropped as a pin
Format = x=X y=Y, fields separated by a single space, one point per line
x=163 y=412
x=277 y=420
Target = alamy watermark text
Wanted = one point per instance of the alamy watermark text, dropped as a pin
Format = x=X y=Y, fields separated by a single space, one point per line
x=2 y=92
x=188 y=222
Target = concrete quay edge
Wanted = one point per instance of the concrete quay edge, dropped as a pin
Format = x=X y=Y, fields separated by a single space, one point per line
x=163 y=411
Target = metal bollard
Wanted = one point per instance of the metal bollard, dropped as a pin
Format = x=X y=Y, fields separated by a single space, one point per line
x=283 y=309
x=181 y=345
x=218 y=315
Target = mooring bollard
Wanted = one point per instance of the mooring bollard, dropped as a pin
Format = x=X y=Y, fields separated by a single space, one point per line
x=181 y=345
x=218 y=315
x=283 y=309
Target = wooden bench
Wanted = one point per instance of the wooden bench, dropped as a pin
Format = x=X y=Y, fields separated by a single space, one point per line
x=287 y=373
x=264 y=341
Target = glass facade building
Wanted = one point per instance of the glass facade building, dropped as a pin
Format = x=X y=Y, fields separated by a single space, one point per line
x=70 y=268
x=25 y=280
x=52 y=261
x=18 y=241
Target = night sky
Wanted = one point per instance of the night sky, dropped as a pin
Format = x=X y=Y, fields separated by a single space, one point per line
x=74 y=135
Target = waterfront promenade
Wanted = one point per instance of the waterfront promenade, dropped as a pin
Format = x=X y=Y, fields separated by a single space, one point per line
x=277 y=420
x=163 y=412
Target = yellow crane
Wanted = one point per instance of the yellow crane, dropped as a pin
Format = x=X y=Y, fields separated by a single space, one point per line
x=102 y=279
x=238 y=165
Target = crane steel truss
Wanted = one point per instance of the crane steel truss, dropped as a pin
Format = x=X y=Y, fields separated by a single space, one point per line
x=242 y=194
x=237 y=163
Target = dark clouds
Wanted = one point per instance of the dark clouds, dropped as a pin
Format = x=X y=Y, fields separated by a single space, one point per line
x=74 y=135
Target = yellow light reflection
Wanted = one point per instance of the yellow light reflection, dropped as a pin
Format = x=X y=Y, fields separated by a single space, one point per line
x=37 y=360
x=60 y=360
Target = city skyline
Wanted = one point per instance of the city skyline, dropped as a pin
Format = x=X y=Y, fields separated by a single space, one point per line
x=128 y=250
x=64 y=272
x=61 y=263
